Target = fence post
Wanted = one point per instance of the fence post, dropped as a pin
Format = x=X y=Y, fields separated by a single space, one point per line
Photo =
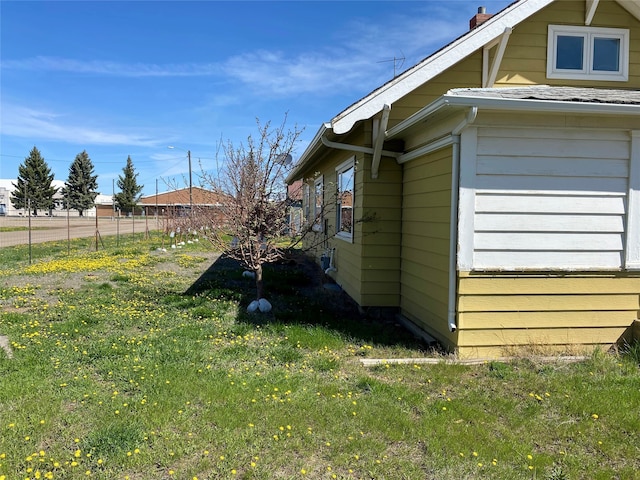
x=29 y=214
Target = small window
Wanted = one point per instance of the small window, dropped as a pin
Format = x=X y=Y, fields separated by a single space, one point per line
x=318 y=195
x=306 y=202
x=345 y=199
x=587 y=53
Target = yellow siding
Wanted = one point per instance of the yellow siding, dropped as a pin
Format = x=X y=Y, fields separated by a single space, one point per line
x=525 y=59
x=572 y=312
x=425 y=243
x=381 y=223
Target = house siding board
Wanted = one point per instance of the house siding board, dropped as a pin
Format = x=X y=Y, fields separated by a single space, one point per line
x=546 y=307
x=524 y=61
x=586 y=338
x=525 y=176
x=425 y=242
x=502 y=310
x=381 y=232
x=542 y=320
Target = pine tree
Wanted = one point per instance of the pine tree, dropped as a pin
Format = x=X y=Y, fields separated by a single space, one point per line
x=129 y=195
x=80 y=188
x=34 y=184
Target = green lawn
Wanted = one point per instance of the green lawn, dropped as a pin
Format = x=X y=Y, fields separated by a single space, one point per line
x=139 y=364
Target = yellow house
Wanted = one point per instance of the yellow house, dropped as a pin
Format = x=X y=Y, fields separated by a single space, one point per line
x=491 y=193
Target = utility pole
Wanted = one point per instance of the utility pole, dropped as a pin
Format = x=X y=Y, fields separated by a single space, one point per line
x=190 y=185
x=190 y=178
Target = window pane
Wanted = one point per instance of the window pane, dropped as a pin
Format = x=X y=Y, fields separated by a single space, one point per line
x=570 y=52
x=318 y=194
x=345 y=200
x=306 y=200
x=606 y=54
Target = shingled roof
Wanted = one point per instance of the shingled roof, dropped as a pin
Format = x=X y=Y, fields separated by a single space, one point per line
x=558 y=94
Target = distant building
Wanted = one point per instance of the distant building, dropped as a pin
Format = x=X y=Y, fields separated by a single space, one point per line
x=7 y=208
x=180 y=202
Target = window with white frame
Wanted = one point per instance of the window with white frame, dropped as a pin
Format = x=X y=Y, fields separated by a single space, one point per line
x=306 y=201
x=318 y=202
x=345 y=176
x=588 y=53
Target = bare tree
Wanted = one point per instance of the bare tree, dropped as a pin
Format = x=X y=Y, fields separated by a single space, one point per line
x=252 y=214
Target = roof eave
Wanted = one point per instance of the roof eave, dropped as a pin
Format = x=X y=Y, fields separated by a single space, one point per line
x=435 y=64
x=541 y=105
x=510 y=104
x=307 y=155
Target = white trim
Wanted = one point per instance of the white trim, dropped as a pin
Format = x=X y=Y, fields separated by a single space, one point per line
x=426 y=149
x=588 y=34
x=318 y=217
x=466 y=200
x=591 y=7
x=306 y=201
x=340 y=169
x=379 y=128
x=632 y=256
x=497 y=59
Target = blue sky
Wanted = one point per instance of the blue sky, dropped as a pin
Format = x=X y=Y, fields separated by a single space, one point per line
x=131 y=78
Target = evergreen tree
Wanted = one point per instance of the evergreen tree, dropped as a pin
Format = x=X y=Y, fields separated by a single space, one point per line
x=129 y=195
x=80 y=188
x=34 y=184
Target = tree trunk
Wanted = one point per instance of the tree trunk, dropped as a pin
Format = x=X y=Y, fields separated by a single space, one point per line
x=259 y=285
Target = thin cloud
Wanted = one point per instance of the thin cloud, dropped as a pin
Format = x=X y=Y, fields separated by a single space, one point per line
x=105 y=67
x=359 y=61
x=30 y=123
x=355 y=61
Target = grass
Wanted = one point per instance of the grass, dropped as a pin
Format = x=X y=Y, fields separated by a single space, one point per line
x=133 y=363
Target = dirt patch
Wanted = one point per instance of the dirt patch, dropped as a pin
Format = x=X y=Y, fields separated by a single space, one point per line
x=4 y=344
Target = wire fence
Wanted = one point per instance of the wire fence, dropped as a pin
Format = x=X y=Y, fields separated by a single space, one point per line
x=32 y=230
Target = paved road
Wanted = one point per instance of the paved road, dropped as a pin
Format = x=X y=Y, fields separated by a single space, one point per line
x=46 y=229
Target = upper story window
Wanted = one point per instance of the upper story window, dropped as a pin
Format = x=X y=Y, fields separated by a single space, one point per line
x=588 y=53
x=345 y=174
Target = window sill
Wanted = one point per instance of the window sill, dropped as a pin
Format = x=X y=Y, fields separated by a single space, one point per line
x=347 y=237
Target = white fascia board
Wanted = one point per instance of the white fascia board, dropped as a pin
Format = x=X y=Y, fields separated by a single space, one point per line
x=436 y=64
x=307 y=154
x=486 y=103
x=547 y=106
x=631 y=6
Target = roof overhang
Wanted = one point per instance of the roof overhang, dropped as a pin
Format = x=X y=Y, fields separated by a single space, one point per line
x=455 y=100
x=631 y=6
x=315 y=145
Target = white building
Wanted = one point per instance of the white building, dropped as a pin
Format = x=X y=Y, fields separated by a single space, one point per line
x=7 y=208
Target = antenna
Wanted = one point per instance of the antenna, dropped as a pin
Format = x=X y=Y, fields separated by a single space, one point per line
x=398 y=62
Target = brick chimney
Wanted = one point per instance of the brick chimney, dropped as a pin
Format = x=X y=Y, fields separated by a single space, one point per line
x=479 y=18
